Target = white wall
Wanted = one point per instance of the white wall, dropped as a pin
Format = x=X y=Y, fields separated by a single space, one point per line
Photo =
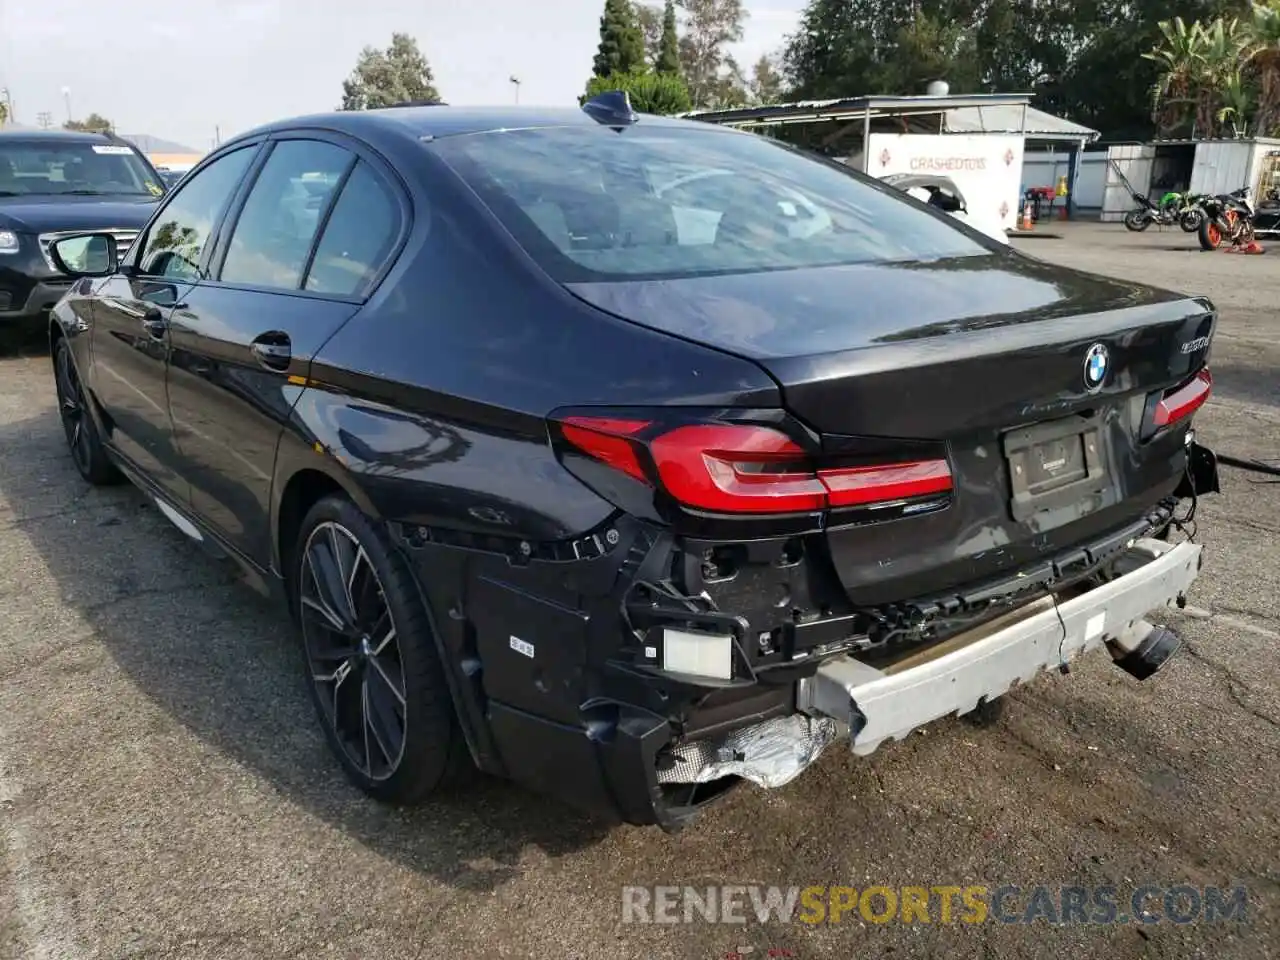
x=1220 y=167
x=986 y=167
x=1043 y=168
x=1135 y=162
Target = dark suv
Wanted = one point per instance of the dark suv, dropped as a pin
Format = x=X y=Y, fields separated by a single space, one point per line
x=630 y=457
x=58 y=183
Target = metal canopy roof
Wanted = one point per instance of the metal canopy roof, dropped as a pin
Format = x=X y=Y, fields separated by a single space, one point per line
x=1011 y=119
x=850 y=108
x=969 y=113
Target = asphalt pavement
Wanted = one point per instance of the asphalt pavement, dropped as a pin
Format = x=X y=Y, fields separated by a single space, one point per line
x=165 y=790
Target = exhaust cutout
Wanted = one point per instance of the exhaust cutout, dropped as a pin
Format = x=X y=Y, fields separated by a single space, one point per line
x=1143 y=649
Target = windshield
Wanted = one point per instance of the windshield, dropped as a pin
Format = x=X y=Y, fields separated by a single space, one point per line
x=595 y=204
x=44 y=168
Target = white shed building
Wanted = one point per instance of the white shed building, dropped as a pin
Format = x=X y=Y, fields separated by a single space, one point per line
x=981 y=141
x=1200 y=166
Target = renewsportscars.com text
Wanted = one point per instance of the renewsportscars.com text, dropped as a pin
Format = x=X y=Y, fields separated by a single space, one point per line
x=940 y=903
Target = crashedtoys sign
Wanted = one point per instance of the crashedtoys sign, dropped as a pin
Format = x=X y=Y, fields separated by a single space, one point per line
x=986 y=167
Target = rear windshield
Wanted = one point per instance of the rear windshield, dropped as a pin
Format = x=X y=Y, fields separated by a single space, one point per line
x=592 y=204
x=77 y=167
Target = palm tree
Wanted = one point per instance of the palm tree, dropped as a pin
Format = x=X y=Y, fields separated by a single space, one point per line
x=1263 y=31
x=1222 y=49
x=1237 y=103
x=1179 y=57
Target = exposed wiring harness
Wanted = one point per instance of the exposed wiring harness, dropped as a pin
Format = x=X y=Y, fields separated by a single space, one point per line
x=1186 y=524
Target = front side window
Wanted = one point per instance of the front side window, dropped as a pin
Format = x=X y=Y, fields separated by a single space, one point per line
x=275 y=231
x=177 y=238
x=74 y=168
x=595 y=204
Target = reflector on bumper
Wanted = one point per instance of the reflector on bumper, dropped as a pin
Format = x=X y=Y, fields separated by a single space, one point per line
x=697 y=654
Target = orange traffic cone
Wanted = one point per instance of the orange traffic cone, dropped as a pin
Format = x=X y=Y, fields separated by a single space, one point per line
x=1027 y=222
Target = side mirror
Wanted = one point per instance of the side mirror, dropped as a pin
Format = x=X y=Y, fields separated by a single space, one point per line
x=86 y=255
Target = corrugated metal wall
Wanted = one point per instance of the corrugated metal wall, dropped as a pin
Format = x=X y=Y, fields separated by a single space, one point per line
x=1222 y=165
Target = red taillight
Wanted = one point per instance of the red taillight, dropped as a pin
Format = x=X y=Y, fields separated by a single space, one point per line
x=858 y=486
x=605 y=440
x=738 y=468
x=1184 y=401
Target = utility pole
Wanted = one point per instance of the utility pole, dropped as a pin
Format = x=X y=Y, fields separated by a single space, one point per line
x=45 y=119
x=66 y=97
x=516 y=82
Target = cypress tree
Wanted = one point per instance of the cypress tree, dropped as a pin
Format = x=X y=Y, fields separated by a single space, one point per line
x=669 y=47
x=621 y=43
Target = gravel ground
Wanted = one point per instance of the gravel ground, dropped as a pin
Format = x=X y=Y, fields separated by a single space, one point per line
x=164 y=791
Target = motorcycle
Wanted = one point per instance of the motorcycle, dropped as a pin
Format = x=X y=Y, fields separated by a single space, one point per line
x=1192 y=212
x=1182 y=209
x=1228 y=218
x=1266 y=218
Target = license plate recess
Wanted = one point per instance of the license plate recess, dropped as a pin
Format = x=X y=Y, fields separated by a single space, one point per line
x=1055 y=464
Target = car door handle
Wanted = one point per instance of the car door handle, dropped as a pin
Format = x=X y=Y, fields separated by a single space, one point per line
x=272 y=351
x=155 y=323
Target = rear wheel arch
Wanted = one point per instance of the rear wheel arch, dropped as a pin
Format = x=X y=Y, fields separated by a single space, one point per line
x=303 y=489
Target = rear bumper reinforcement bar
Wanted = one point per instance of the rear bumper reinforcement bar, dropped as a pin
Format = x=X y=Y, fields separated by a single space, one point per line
x=984 y=663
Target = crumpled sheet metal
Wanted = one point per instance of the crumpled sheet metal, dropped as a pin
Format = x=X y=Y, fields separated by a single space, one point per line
x=769 y=754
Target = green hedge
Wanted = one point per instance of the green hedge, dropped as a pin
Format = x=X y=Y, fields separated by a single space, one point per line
x=649 y=92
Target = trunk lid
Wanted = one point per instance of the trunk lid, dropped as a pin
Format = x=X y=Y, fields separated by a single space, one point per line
x=986 y=357
x=888 y=349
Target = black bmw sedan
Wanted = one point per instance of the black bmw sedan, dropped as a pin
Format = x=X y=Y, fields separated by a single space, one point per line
x=633 y=458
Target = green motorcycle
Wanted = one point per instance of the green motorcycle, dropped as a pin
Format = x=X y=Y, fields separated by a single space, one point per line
x=1184 y=209
x=1188 y=208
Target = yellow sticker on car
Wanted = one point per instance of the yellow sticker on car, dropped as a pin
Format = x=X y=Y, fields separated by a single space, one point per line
x=155 y=188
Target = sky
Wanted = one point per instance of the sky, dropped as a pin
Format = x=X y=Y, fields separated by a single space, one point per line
x=189 y=71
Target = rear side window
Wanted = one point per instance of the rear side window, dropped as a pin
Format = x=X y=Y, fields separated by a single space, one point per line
x=359 y=237
x=278 y=224
x=592 y=203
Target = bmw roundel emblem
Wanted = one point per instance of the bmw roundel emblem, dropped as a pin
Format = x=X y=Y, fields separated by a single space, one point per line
x=1095 y=366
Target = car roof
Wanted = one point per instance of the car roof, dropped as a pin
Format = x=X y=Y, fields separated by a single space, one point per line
x=440 y=120
x=53 y=135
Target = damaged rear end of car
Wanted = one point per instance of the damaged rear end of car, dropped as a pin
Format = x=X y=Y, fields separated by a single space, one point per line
x=802 y=586
x=977 y=468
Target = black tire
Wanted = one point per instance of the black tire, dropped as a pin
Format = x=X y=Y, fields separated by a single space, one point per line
x=1209 y=234
x=408 y=681
x=1191 y=220
x=1137 y=220
x=83 y=439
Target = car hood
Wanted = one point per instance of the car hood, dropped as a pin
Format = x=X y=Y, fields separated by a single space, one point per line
x=45 y=214
x=804 y=312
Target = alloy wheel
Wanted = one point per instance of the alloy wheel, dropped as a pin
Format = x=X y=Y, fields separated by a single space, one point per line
x=71 y=408
x=352 y=650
